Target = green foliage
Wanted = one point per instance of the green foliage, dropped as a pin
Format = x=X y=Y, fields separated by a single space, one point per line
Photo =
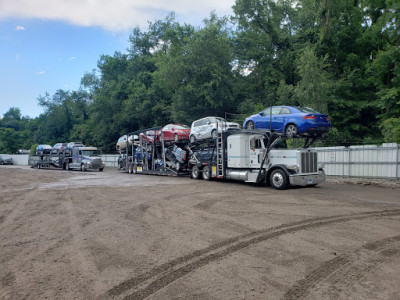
x=32 y=150
x=391 y=130
x=339 y=57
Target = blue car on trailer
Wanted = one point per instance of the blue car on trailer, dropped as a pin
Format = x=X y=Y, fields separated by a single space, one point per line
x=292 y=120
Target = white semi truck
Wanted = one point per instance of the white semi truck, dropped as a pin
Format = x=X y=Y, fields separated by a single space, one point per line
x=250 y=156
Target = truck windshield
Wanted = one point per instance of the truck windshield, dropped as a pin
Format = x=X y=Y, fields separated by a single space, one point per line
x=91 y=152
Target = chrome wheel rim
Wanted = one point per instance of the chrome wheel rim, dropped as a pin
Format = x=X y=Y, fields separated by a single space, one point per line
x=277 y=179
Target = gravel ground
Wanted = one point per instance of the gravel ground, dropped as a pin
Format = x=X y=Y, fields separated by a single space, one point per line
x=112 y=235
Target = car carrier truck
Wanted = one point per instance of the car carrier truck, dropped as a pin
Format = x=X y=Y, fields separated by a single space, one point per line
x=81 y=158
x=245 y=155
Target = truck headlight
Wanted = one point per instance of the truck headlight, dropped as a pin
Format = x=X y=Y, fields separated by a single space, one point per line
x=321 y=166
x=294 y=168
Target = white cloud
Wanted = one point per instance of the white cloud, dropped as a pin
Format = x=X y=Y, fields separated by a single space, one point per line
x=72 y=58
x=19 y=28
x=41 y=72
x=114 y=15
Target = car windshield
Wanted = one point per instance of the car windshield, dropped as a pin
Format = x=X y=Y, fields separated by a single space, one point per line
x=91 y=152
x=220 y=119
x=306 y=110
x=181 y=127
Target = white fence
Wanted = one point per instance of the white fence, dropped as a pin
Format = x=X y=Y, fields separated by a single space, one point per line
x=18 y=159
x=110 y=160
x=368 y=161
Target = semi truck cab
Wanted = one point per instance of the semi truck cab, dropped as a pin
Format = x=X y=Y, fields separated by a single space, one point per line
x=85 y=158
x=251 y=158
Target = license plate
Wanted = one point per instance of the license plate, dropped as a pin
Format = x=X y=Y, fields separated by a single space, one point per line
x=139 y=169
x=309 y=181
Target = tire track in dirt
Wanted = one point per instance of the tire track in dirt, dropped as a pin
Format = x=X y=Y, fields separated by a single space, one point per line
x=152 y=281
x=81 y=257
x=345 y=269
x=15 y=211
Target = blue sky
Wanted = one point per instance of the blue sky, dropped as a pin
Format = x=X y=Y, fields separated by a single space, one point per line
x=46 y=45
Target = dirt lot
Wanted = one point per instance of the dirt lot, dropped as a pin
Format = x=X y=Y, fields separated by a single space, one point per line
x=110 y=235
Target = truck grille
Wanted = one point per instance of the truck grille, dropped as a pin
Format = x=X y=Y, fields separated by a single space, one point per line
x=309 y=162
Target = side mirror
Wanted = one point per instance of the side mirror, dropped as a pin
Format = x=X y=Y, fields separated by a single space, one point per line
x=261 y=113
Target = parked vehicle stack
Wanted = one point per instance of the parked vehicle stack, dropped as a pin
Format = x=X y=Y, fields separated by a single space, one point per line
x=217 y=149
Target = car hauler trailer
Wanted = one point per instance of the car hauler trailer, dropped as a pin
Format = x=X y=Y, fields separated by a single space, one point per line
x=249 y=156
x=150 y=154
x=82 y=158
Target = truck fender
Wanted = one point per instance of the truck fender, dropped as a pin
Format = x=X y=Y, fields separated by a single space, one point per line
x=282 y=167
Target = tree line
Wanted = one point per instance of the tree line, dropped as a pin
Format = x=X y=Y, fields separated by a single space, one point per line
x=340 y=57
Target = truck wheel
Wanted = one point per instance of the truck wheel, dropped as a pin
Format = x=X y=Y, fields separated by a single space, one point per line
x=195 y=173
x=134 y=169
x=67 y=166
x=278 y=179
x=101 y=170
x=83 y=168
x=206 y=173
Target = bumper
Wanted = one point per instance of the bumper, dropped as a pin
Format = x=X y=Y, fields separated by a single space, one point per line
x=307 y=179
x=94 y=166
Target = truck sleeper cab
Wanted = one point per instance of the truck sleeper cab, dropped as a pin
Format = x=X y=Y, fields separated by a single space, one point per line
x=245 y=157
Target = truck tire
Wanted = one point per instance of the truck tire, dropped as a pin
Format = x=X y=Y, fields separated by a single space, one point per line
x=206 y=173
x=195 y=173
x=101 y=170
x=278 y=179
x=67 y=166
x=83 y=168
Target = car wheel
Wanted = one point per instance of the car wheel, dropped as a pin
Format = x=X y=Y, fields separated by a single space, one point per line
x=192 y=139
x=101 y=170
x=278 y=179
x=176 y=137
x=291 y=130
x=195 y=173
x=206 y=173
x=214 y=134
x=83 y=168
x=250 y=125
